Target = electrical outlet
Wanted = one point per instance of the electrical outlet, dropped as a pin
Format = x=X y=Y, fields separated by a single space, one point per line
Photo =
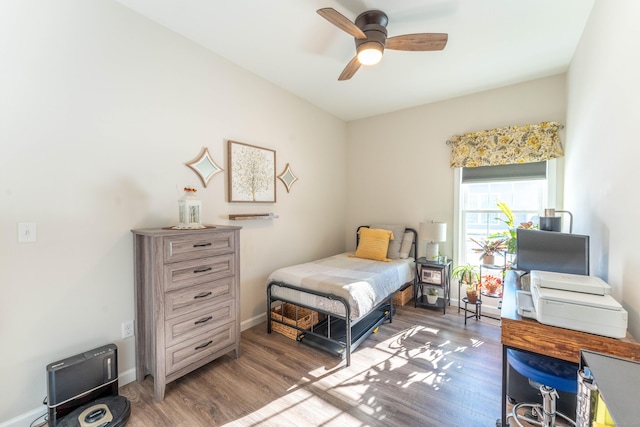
x=26 y=232
x=127 y=329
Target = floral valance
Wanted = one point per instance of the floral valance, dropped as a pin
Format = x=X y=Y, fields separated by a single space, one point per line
x=506 y=146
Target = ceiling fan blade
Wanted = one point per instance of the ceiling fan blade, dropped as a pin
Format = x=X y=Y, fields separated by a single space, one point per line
x=350 y=69
x=340 y=21
x=418 y=42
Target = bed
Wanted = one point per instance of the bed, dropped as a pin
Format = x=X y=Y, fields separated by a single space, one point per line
x=353 y=293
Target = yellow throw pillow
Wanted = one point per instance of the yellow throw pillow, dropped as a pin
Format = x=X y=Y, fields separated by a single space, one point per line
x=373 y=244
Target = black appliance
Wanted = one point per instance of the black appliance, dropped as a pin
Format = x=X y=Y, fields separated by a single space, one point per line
x=86 y=384
x=552 y=251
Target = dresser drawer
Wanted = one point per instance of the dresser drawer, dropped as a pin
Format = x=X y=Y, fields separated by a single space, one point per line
x=191 y=351
x=192 y=324
x=201 y=245
x=186 y=300
x=189 y=273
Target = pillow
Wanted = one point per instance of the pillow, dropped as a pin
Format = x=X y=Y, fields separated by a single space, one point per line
x=373 y=244
x=407 y=242
x=396 y=240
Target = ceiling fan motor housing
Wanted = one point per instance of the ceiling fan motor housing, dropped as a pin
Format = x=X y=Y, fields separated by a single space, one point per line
x=374 y=24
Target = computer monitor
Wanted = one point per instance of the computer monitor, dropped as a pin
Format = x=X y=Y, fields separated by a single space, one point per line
x=552 y=251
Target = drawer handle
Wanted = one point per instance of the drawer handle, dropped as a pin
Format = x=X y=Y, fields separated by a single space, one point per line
x=202 y=270
x=201 y=346
x=201 y=245
x=202 y=295
x=203 y=320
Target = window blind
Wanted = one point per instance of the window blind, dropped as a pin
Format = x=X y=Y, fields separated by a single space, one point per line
x=516 y=172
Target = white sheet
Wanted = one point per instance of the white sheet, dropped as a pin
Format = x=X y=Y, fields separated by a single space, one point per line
x=363 y=283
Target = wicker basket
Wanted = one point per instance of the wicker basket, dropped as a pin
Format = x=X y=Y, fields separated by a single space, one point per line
x=403 y=296
x=287 y=313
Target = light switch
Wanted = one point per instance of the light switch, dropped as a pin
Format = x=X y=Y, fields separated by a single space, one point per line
x=26 y=232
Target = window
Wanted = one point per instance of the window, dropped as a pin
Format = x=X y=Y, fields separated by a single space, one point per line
x=479 y=210
x=523 y=187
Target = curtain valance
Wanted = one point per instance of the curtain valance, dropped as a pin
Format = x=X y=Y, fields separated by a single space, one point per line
x=506 y=145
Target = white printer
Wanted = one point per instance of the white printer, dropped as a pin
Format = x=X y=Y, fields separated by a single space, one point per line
x=573 y=301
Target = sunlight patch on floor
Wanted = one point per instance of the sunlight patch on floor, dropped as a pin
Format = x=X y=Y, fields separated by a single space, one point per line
x=476 y=343
x=325 y=391
x=300 y=408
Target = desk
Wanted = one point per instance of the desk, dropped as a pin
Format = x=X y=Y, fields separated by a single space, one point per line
x=532 y=336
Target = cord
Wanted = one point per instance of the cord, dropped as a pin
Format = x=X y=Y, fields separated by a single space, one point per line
x=45 y=417
x=45 y=421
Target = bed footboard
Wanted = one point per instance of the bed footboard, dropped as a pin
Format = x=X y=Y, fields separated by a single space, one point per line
x=336 y=333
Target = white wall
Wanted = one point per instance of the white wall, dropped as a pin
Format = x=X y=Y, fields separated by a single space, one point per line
x=99 y=111
x=602 y=151
x=398 y=163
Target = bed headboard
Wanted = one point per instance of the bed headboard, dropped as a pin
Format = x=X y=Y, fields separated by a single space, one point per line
x=414 y=233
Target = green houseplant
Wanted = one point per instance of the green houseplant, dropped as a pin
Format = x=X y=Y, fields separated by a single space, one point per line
x=432 y=295
x=469 y=276
x=510 y=234
x=488 y=248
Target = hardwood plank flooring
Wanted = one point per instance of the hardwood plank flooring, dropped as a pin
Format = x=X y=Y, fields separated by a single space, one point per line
x=424 y=369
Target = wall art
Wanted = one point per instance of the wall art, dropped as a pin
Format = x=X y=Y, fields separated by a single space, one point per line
x=204 y=166
x=252 y=175
x=287 y=177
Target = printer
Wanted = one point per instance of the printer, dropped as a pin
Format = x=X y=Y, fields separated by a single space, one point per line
x=573 y=301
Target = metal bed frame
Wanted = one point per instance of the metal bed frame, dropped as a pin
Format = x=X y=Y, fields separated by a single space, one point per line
x=336 y=333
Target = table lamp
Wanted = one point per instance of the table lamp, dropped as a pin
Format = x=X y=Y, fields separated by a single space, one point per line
x=433 y=232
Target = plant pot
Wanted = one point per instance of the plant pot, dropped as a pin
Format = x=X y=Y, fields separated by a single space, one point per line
x=472 y=297
x=432 y=299
x=489 y=259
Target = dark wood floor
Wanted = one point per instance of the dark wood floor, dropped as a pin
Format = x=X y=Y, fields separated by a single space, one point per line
x=424 y=369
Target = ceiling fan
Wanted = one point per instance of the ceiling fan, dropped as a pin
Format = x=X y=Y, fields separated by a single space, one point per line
x=370 y=33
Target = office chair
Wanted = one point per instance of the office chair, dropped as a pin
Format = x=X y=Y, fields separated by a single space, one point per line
x=549 y=375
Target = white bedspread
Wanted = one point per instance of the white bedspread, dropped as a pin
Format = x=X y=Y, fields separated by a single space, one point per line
x=363 y=283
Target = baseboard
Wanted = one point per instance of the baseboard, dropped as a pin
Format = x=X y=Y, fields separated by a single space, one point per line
x=250 y=323
x=25 y=420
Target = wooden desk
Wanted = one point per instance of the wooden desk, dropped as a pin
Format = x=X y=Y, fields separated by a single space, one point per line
x=532 y=336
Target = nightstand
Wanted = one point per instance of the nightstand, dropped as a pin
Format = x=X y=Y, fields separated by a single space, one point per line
x=432 y=274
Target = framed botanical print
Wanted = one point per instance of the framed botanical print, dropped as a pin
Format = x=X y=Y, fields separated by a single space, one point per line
x=252 y=173
x=433 y=276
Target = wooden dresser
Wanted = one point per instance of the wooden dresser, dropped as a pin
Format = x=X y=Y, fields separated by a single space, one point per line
x=187 y=293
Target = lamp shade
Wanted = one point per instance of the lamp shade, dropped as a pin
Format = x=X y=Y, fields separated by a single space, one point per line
x=433 y=231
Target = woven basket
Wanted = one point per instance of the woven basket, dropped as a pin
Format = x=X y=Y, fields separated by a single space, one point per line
x=287 y=313
x=403 y=296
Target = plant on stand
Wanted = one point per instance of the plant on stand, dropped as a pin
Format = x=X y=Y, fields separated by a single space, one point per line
x=488 y=248
x=469 y=276
x=432 y=295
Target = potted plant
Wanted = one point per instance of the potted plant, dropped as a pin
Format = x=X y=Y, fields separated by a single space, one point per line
x=432 y=295
x=510 y=234
x=491 y=285
x=488 y=248
x=472 y=292
x=469 y=276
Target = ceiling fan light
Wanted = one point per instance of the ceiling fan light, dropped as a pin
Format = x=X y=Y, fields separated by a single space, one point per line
x=369 y=53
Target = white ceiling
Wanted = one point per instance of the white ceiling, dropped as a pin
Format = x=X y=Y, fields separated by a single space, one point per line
x=492 y=43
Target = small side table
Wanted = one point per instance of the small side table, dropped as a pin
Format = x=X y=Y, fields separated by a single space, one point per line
x=432 y=274
x=474 y=313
